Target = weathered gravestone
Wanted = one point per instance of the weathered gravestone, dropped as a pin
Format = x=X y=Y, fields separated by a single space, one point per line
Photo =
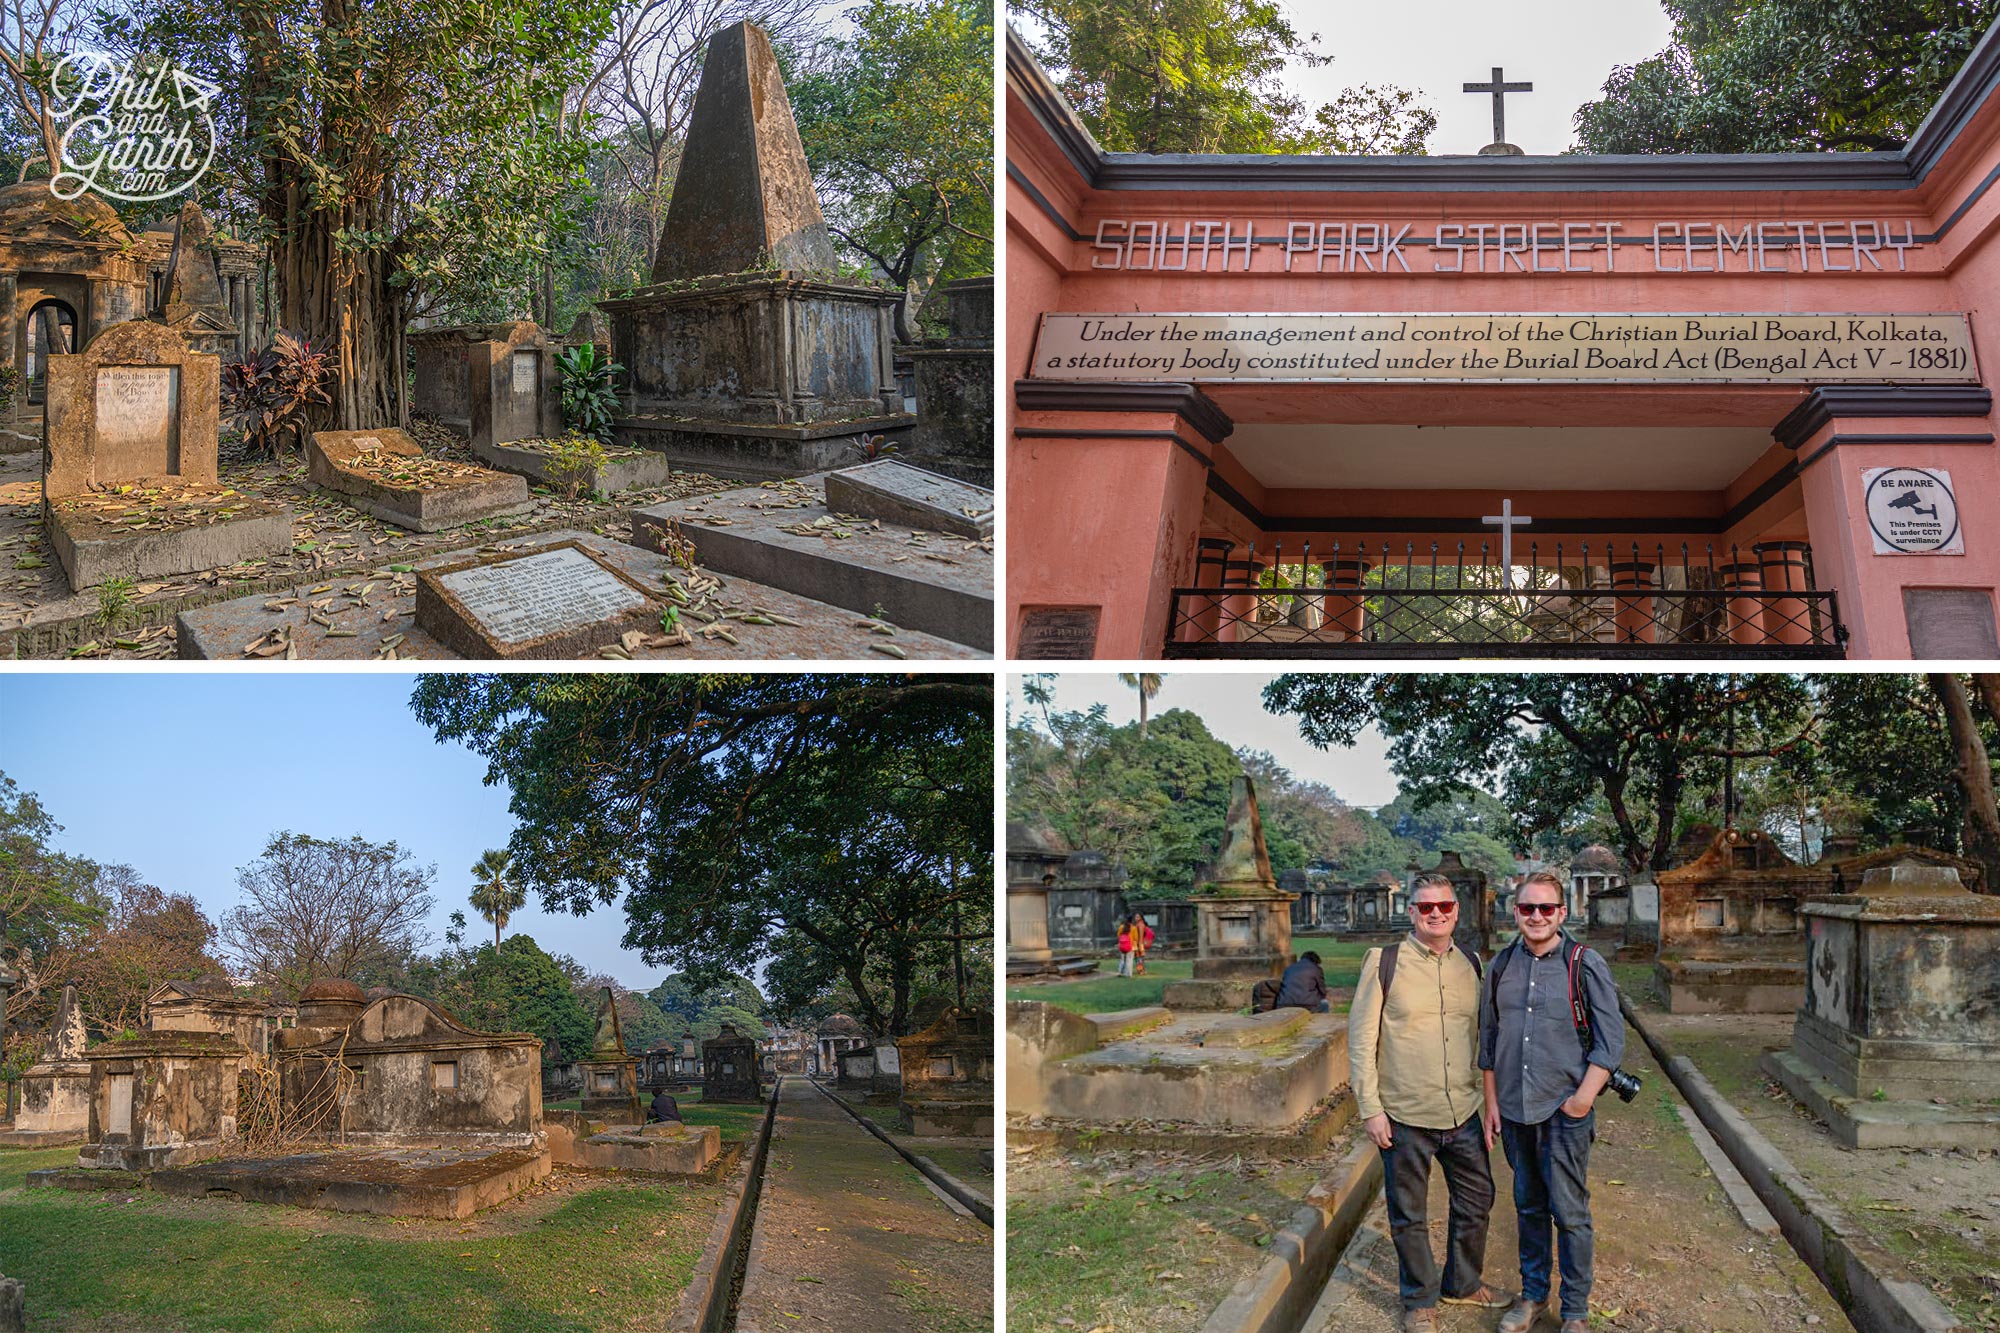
x=191 y=302
x=948 y=1075
x=749 y=354
x=55 y=1090
x=1244 y=921
x=1897 y=1042
x=1731 y=938
x=954 y=375
x=896 y=492
x=384 y=472
x=129 y=463
x=729 y=1068
x=610 y=1074
x=560 y=600
x=13 y=1306
x=495 y=382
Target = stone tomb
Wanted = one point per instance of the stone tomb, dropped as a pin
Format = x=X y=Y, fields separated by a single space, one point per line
x=896 y=492
x=1474 y=930
x=554 y=601
x=948 y=1075
x=161 y=1099
x=1272 y=1084
x=610 y=1075
x=729 y=1068
x=1731 y=937
x=954 y=377
x=55 y=1091
x=496 y=382
x=1902 y=1003
x=857 y=1068
x=914 y=578
x=400 y=1072
x=1243 y=921
x=664 y=1150
x=129 y=483
x=749 y=354
x=384 y=472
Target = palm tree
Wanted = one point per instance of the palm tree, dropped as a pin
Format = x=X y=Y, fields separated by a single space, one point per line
x=1148 y=685
x=495 y=896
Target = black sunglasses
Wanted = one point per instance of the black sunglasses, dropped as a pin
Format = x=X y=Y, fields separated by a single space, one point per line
x=1538 y=909
x=1428 y=908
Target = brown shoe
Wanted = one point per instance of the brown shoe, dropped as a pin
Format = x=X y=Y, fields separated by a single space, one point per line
x=1522 y=1316
x=1420 y=1321
x=1576 y=1326
x=1486 y=1298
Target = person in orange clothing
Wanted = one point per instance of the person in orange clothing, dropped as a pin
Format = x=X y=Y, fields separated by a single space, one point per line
x=1125 y=946
x=1142 y=939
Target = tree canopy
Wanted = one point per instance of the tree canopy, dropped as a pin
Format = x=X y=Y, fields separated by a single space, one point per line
x=327 y=907
x=1786 y=76
x=840 y=821
x=1207 y=76
x=514 y=988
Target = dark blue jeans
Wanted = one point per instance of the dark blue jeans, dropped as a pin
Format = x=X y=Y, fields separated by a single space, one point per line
x=1406 y=1187
x=1550 y=1161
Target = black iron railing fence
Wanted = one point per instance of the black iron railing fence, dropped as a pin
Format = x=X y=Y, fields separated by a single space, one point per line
x=1432 y=600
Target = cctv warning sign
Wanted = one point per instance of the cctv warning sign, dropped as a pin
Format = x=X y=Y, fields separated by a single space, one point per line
x=1912 y=511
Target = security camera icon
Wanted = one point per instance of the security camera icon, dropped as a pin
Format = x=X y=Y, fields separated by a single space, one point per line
x=1911 y=501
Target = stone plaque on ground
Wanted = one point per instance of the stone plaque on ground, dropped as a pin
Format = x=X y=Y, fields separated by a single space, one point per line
x=898 y=493
x=1058 y=631
x=553 y=601
x=136 y=407
x=386 y=473
x=1951 y=624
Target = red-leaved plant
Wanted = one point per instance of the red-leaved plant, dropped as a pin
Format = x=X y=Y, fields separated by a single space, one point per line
x=267 y=397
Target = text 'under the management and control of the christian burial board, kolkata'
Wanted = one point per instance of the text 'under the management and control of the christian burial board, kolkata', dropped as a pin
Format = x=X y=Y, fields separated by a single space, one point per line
x=1613 y=348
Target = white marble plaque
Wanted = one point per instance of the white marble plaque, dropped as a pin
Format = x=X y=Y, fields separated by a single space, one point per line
x=514 y=601
x=527 y=373
x=136 y=406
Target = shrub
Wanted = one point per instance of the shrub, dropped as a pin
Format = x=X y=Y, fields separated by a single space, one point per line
x=572 y=461
x=589 y=393
x=267 y=398
x=10 y=383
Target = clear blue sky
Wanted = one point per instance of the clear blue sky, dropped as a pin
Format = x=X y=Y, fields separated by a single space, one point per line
x=185 y=776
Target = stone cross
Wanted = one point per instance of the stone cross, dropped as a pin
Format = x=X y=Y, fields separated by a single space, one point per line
x=1508 y=520
x=1499 y=87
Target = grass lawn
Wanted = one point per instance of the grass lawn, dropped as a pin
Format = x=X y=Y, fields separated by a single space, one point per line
x=1106 y=994
x=577 y=1255
x=1135 y=1242
x=736 y=1120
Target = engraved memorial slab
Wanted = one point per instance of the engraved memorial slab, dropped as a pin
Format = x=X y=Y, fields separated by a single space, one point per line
x=137 y=411
x=896 y=492
x=1951 y=624
x=1058 y=631
x=549 y=602
x=527 y=374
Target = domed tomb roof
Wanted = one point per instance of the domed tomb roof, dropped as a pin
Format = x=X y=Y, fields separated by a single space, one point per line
x=28 y=212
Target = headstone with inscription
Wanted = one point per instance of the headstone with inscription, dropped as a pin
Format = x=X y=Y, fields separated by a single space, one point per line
x=129 y=463
x=896 y=492
x=384 y=472
x=496 y=382
x=552 y=601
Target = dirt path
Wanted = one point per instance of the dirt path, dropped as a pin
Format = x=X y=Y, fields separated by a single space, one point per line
x=849 y=1236
x=1672 y=1254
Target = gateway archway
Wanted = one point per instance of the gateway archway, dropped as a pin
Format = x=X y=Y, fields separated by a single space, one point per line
x=1267 y=406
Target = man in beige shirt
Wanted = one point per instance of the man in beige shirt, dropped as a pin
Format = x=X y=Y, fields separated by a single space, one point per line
x=1412 y=1047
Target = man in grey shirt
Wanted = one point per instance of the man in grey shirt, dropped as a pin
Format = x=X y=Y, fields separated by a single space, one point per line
x=1541 y=1085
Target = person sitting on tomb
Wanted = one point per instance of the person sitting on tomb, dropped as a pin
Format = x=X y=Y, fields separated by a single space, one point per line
x=1304 y=985
x=663 y=1109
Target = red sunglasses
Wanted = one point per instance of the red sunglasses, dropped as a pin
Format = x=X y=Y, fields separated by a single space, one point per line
x=1538 y=909
x=1428 y=908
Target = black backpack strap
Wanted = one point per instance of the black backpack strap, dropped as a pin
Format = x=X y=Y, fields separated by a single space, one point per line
x=1385 y=971
x=1471 y=956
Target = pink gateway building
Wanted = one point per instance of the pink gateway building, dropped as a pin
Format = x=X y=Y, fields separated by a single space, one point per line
x=1501 y=405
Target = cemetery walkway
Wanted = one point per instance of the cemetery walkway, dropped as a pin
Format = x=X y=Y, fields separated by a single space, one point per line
x=849 y=1235
x=1672 y=1254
